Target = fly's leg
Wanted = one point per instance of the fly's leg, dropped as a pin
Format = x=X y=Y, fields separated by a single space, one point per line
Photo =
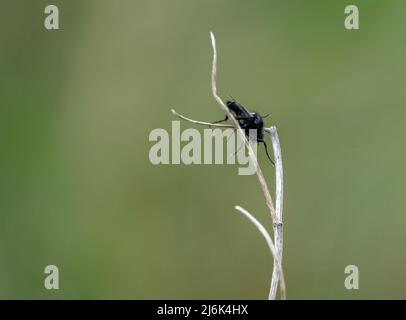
x=219 y=121
x=266 y=151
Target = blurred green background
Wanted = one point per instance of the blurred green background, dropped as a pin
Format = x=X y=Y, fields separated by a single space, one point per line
x=77 y=189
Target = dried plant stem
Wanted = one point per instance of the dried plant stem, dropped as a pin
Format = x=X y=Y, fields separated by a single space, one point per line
x=275 y=211
x=277 y=273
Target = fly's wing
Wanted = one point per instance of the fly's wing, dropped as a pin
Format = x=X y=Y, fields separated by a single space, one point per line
x=238 y=109
x=244 y=118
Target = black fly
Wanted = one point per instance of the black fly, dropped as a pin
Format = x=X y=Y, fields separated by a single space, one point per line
x=247 y=121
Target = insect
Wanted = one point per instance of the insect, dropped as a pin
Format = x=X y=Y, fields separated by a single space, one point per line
x=248 y=121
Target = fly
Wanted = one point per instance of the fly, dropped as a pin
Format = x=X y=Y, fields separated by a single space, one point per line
x=248 y=121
